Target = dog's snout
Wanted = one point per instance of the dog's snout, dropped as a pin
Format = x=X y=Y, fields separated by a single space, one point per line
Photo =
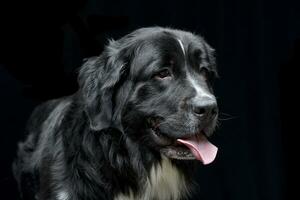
x=205 y=107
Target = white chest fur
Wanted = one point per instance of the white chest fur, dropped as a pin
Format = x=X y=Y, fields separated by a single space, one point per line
x=164 y=183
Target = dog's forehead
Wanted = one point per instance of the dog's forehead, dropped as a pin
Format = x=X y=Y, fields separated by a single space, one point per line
x=182 y=41
x=168 y=45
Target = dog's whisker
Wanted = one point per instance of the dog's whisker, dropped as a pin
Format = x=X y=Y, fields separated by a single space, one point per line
x=225 y=119
x=226 y=114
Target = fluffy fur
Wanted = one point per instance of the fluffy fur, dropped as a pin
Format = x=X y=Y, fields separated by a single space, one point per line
x=114 y=138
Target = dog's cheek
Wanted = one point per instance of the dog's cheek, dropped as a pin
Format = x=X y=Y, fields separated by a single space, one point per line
x=150 y=99
x=142 y=94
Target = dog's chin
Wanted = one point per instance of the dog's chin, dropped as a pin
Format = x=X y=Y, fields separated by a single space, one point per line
x=171 y=148
x=188 y=146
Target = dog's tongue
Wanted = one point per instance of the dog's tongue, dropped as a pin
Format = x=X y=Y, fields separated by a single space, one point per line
x=201 y=148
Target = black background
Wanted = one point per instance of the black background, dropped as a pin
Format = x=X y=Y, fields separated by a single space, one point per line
x=258 y=51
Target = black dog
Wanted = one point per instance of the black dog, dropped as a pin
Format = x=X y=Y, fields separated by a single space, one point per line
x=140 y=117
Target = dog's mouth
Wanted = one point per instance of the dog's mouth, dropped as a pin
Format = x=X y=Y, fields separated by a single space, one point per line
x=194 y=146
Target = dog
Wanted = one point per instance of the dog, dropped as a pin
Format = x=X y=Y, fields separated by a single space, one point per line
x=134 y=129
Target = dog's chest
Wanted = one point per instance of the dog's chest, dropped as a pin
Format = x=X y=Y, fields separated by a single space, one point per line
x=164 y=183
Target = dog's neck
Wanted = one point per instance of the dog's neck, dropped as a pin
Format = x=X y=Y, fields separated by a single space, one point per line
x=164 y=182
x=140 y=173
x=153 y=176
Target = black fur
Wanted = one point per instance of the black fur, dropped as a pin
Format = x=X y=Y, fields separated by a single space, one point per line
x=98 y=143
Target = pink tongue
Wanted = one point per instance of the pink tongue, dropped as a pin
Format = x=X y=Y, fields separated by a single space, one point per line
x=201 y=148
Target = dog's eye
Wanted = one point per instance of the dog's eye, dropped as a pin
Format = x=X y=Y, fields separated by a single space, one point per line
x=163 y=74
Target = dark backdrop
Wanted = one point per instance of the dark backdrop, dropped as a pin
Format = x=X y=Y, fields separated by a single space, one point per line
x=258 y=49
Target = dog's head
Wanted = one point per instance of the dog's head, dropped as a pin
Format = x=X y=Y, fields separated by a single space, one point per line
x=155 y=86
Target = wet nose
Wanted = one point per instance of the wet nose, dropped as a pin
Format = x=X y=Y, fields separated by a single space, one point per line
x=205 y=107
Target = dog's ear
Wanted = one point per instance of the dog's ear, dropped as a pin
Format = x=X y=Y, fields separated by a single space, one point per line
x=211 y=58
x=98 y=80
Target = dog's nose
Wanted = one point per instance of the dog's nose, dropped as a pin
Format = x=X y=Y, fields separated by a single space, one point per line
x=205 y=107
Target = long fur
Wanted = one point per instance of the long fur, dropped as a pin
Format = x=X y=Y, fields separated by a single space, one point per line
x=94 y=144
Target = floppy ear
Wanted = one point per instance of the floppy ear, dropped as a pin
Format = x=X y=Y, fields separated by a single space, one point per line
x=211 y=58
x=98 y=79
